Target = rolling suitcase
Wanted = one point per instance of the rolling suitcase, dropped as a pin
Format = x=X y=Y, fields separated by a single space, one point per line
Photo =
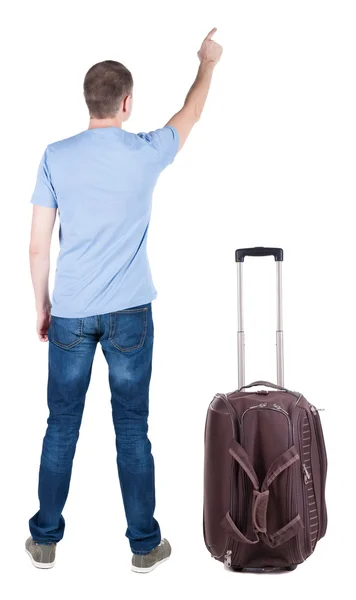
x=265 y=464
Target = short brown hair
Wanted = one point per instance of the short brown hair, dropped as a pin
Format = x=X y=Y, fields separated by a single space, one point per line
x=105 y=86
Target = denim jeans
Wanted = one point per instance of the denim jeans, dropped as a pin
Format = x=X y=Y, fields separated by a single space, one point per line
x=126 y=338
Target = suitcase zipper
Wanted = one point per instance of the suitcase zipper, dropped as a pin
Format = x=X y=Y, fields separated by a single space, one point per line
x=231 y=544
x=307 y=483
x=227 y=559
x=323 y=467
x=280 y=409
x=307 y=475
x=275 y=407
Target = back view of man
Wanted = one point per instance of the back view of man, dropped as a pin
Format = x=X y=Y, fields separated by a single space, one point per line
x=101 y=182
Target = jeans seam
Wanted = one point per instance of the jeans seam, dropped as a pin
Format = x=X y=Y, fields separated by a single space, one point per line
x=111 y=324
x=132 y=310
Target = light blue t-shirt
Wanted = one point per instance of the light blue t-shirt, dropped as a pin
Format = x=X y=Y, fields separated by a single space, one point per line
x=102 y=181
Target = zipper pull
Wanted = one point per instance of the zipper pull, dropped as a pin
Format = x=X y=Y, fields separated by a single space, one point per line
x=315 y=410
x=307 y=475
x=227 y=559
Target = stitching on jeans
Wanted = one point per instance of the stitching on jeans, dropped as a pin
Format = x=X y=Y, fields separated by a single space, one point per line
x=132 y=310
x=141 y=342
x=110 y=324
x=143 y=336
x=68 y=346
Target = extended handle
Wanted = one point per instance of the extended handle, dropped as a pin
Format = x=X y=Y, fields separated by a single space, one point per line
x=259 y=251
x=239 y=257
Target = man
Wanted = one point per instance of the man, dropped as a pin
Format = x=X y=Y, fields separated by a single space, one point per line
x=101 y=181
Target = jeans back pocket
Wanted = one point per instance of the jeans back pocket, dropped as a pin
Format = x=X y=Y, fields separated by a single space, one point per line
x=128 y=328
x=65 y=333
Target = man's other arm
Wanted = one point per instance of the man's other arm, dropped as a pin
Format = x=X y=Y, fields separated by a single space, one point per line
x=43 y=220
x=184 y=120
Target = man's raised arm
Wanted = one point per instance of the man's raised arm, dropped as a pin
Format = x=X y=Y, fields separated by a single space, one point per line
x=209 y=55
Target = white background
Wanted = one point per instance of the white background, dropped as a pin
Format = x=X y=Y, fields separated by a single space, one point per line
x=270 y=163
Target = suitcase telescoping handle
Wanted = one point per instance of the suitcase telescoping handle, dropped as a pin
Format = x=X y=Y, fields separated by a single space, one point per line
x=240 y=255
x=242 y=252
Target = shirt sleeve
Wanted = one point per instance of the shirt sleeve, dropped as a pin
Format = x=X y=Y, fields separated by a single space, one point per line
x=44 y=193
x=165 y=142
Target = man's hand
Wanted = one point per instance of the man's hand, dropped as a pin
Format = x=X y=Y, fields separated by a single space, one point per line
x=210 y=51
x=209 y=55
x=43 y=320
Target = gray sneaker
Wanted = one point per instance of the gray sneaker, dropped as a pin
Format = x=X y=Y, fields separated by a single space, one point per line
x=42 y=555
x=144 y=563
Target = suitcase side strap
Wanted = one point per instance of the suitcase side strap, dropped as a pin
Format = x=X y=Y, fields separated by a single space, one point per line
x=260 y=499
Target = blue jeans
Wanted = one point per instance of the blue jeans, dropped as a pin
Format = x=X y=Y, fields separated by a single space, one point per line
x=126 y=338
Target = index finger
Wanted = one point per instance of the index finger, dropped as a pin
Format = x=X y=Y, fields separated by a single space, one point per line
x=211 y=33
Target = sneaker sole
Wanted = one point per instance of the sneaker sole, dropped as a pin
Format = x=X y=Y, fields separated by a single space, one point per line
x=40 y=565
x=148 y=569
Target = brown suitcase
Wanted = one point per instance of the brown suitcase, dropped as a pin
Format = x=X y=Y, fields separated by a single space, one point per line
x=265 y=465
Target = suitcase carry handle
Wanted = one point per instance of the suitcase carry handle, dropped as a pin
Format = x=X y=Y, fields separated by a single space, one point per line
x=239 y=257
x=259 y=251
x=260 y=500
x=266 y=384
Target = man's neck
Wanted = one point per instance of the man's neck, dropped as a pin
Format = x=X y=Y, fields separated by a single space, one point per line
x=114 y=122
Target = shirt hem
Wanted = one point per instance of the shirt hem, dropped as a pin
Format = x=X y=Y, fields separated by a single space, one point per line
x=83 y=315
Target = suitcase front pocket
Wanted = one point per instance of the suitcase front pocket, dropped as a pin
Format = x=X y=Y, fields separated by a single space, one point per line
x=267 y=522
